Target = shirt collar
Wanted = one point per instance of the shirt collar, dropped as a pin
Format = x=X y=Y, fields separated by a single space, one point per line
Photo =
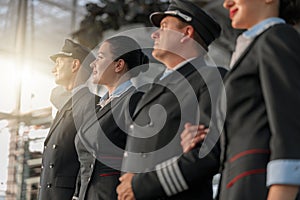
x=123 y=87
x=261 y=27
x=178 y=66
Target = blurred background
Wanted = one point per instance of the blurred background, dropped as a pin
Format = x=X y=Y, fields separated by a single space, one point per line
x=31 y=31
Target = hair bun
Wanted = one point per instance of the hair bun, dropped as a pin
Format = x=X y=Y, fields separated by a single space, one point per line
x=290 y=11
x=144 y=61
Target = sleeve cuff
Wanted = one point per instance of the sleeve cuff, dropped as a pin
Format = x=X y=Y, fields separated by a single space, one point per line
x=170 y=177
x=285 y=172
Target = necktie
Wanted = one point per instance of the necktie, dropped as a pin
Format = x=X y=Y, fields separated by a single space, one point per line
x=105 y=102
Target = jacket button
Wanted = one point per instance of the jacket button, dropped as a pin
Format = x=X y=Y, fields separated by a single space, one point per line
x=51 y=165
x=45 y=147
x=49 y=185
x=42 y=167
x=91 y=166
x=54 y=146
x=143 y=155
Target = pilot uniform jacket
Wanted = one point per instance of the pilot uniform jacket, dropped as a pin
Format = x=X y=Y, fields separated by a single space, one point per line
x=60 y=163
x=185 y=95
x=263 y=112
x=100 y=145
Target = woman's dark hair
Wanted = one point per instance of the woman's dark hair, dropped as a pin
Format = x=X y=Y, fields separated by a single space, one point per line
x=289 y=10
x=126 y=48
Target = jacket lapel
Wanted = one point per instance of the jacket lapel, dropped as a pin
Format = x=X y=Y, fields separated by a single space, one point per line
x=58 y=117
x=154 y=91
x=239 y=60
x=185 y=71
x=113 y=103
x=103 y=111
x=170 y=81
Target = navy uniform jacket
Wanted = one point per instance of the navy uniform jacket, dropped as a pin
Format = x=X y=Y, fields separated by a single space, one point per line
x=158 y=121
x=100 y=143
x=60 y=163
x=263 y=112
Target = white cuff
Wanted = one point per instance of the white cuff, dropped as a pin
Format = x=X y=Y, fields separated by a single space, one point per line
x=285 y=172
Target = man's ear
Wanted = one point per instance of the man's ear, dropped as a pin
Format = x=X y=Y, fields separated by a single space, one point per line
x=119 y=66
x=188 y=33
x=76 y=65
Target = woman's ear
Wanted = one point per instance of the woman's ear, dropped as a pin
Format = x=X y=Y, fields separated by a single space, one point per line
x=119 y=66
x=76 y=65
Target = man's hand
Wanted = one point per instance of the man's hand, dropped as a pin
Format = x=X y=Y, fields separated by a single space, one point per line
x=192 y=135
x=124 y=190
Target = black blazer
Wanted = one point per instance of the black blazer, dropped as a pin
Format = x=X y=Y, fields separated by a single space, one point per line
x=59 y=161
x=185 y=96
x=100 y=145
x=263 y=112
